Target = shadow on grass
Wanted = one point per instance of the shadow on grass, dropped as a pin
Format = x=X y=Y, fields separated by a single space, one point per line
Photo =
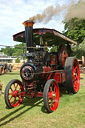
x=31 y=104
x=63 y=91
x=81 y=78
x=12 y=73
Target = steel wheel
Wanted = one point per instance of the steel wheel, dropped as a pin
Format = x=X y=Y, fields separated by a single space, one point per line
x=12 y=93
x=72 y=75
x=51 y=95
x=62 y=55
x=10 y=68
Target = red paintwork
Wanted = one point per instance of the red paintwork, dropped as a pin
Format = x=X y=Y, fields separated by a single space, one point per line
x=46 y=70
x=44 y=77
x=64 y=55
x=58 y=75
x=41 y=31
x=53 y=96
x=53 y=60
x=37 y=94
x=76 y=75
x=15 y=99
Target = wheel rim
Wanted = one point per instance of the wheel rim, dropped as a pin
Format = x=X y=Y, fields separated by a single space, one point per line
x=76 y=76
x=53 y=96
x=64 y=55
x=14 y=98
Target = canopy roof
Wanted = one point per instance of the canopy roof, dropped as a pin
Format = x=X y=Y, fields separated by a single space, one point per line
x=51 y=36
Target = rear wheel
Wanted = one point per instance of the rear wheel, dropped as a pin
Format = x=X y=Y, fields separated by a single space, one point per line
x=62 y=55
x=12 y=93
x=72 y=75
x=51 y=95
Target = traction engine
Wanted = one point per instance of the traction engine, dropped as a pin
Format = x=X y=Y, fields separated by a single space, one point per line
x=43 y=74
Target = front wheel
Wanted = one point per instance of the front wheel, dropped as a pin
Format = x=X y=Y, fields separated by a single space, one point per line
x=12 y=93
x=51 y=95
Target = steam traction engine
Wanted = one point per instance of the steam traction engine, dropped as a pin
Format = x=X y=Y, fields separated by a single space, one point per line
x=44 y=72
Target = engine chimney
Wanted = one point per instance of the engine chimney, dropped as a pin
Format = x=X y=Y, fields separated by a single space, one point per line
x=29 y=34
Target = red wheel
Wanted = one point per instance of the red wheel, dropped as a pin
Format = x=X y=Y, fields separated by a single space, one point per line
x=12 y=93
x=1 y=70
x=72 y=75
x=51 y=95
x=62 y=55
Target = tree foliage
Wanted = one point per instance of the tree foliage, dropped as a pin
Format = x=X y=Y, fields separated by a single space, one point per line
x=78 y=51
x=53 y=49
x=17 y=60
x=8 y=51
x=75 y=29
x=16 y=51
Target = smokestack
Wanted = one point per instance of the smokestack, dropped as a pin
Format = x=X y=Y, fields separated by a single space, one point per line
x=29 y=34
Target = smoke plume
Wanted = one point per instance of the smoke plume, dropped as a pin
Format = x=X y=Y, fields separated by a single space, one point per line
x=77 y=10
x=51 y=11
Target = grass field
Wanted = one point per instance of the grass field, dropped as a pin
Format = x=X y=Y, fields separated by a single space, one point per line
x=31 y=113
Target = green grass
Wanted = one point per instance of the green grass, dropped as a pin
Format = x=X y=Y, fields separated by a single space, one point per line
x=32 y=114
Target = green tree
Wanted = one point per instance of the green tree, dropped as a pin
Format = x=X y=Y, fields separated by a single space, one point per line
x=53 y=49
x=19 y=49
x=79 y=51
x=8 y=51
x=16 y=51
x=75 y=29
x=17 y=60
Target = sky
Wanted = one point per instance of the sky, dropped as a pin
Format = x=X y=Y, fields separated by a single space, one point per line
x=14 y=12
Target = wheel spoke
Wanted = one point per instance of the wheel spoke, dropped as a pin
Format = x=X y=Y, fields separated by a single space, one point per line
x=51 y=103
x=54 y=89
x=76 y=76
x=10 y=98
x=52 y=97
x=10 y=93
x=19 y=89
x=11 y=89
x=16 y=86
x=50 y=88
x=75 y=85
x=75 y=73
x=14 y=100
x=49 y=95
x=75 y=68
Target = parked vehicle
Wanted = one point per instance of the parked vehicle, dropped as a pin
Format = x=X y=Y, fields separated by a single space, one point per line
x=4 y=68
